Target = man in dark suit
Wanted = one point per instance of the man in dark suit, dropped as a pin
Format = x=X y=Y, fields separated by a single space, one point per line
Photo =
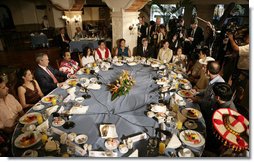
x=142 y=30
x=195 y=35
x=48 y=77
x=155 y=29
x=145 y=50
x=62 y=39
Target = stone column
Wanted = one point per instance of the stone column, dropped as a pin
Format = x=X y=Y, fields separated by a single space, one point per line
x=73 y=19
x=121 y=23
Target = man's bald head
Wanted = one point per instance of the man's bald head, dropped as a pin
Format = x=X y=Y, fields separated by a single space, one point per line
x=213 y=67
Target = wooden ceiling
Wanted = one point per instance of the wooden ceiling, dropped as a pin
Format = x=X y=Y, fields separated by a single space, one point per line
x=137 y=5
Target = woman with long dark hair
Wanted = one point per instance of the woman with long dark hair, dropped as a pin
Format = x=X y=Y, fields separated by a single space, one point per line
x=29 y=91
x=88 y=56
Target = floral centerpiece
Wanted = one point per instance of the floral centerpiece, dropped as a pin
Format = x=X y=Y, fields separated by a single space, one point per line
x=122 y=85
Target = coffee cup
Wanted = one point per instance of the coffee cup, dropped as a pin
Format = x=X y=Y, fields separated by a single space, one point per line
x=186 y=152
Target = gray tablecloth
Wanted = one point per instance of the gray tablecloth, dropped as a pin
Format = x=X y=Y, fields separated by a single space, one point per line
x=78 y=46
x=127 y=112
x=39 y=40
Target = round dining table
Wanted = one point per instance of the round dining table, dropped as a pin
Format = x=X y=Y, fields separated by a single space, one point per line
x=127 y=112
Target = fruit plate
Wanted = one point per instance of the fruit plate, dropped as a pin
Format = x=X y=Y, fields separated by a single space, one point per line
x=192 y=138
x=27 y=139
x=185 y=93
x=29 y=118
x=48 y=98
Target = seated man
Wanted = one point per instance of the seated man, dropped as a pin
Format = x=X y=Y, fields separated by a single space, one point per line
x=79 y=33
x=46 y=75
x=10 y=109
x=206 y=97
x=145 y=50
x=102 y=53
x=223 y=95
x=63 y=40
x=68 y=66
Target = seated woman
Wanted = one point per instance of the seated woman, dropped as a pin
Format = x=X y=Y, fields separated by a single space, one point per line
x=165 y=53
x=68 y=66
x=122 y=50
x=87 y=57
x=29 y=91
x=180 y=58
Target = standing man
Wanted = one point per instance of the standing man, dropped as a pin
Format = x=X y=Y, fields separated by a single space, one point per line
x=142 y=30
x=155 y=29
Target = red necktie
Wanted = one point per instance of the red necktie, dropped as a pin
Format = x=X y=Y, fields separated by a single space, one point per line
x=52 y=76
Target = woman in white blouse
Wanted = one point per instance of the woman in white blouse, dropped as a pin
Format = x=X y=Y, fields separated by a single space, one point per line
x=165 y=53
x=87 y=57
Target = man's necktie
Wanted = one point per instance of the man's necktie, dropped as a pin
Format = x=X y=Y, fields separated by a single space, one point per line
x=52 y=76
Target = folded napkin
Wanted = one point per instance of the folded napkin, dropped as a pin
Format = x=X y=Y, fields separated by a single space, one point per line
x=78 y=109
x=94 y=86
x=43 y=126
x=102 y=154
x=51 y=110
x=134 y=154
x=174 y=142
x=61 y=110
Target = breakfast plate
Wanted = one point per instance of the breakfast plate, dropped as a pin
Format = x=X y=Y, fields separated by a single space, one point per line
x=29 y=118
x=38 y=107
x=191 y=113
x=27 y=139
x=192 y=138
x=48 y=98
x=58 y=121
x=185 y=93
x=72 y=82
x=111 y=143
x=81 y=139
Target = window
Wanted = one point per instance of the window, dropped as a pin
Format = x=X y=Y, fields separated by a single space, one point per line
x=157 y=12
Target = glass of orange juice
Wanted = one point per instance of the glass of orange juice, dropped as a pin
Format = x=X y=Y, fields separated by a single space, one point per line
x=44 y=138
x=162 y=147
x=53 y=101
x=39 y=119
x=88 y=70
x=179 y=125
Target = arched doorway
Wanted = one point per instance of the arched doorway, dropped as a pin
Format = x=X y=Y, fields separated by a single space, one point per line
x=6 y=21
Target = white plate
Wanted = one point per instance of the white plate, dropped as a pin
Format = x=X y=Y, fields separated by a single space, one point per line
x=118 y=64
x=19 y=144
x=30 y=153
x=59 y=123
x=79 y=99
x=197 y=136
x=93 y=80
x=48 y=98
x=112 y=146
x=94 y=86
x=29 y=118
x=185 y=93
x=81 y=139
x=186 y=113
x=38 y=107
x=132 y=63
x=180 y=153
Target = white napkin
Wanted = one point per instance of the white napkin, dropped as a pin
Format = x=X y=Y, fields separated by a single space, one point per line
x=61 y=110
x=78 y=110
x=159 y=108
x=67 y=99
x=51 y=110
x=57 y=131
x=43 y=126
x=134 y=154
x=94 y=86
x=174 y=142
x=71 y=90
x=110 y=130
x=101 y=154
